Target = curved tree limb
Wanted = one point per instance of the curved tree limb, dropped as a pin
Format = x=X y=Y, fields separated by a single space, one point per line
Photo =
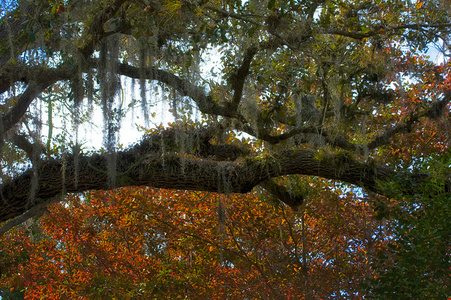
x=239 y=78
x=169 y=170
x=434 y=111
x=36 y=86
x=29 y=148
x=281 y=193
x=184 y=87
x=34 y=211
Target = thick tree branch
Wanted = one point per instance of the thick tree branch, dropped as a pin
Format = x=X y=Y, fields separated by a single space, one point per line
x=12 y=74
x=16 y=113
x=183 y=86
x=175 y=140
x=170 y=170
x=35 y=88
x=23 y=73
x=239 y=78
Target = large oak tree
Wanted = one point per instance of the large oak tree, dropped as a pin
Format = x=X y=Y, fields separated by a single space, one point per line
x=315 y=88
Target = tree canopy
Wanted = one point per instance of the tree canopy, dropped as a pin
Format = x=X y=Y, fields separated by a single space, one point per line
x=337 y=109
x=340 y=90
x=142 y=243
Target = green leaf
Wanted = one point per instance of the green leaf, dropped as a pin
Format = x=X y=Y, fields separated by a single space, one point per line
x=364 y=29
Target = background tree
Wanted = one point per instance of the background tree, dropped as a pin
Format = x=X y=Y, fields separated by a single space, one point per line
x=416 y=263
x=136 y=243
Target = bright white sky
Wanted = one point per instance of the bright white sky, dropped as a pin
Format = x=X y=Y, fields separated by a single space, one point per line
x=91 y=135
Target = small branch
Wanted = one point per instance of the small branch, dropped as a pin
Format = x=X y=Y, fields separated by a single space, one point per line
x=389 y=30
x=336 y=141
x=281 y=193
x=434 y=111
x=22 y=142
x=420 y=26
x=354 y=35
x=227 y=14
x=35 y=211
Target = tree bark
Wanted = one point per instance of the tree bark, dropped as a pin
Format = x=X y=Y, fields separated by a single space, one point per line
x=78 y=173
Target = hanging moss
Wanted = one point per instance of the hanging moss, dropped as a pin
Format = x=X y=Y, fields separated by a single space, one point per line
x=111 y=108
x=143 y=56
